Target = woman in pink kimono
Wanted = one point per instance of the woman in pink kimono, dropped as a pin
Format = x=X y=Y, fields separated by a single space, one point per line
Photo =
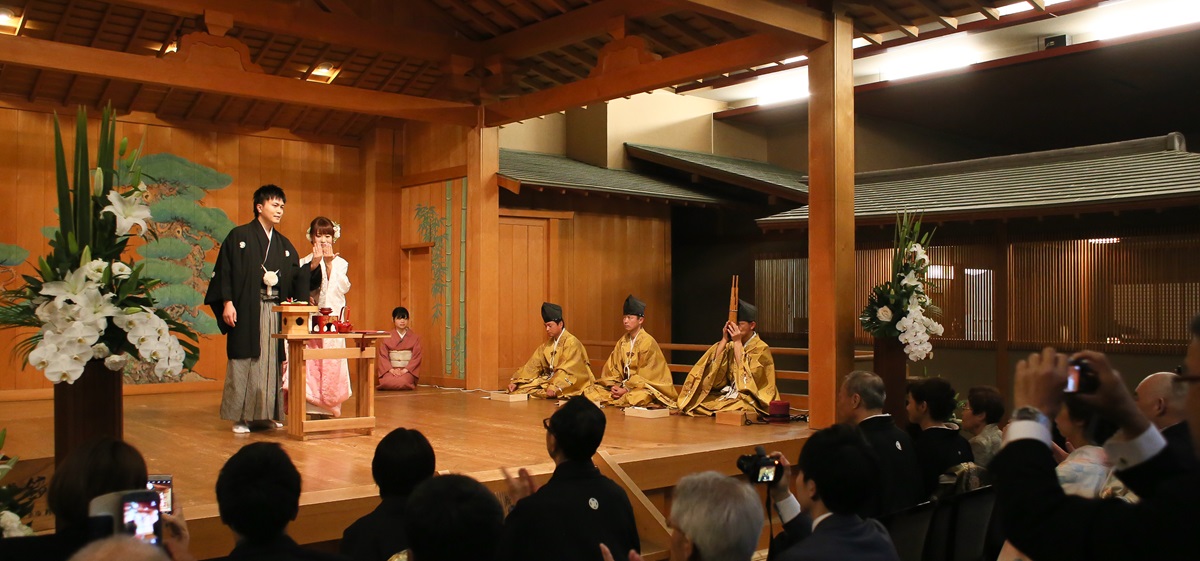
x=328 y=383
x=399 y=360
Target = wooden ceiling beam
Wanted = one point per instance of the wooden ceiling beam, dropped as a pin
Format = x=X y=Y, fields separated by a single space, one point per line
x=905 y=25
x=709 y=61
x=939 y=14
x=66 y=100
x=765 y=15
x=572 y=27
x=312 y=23
x=476 y=16
x=502 y=13
x=988 y=10
x=694 y=34
x=62 y=57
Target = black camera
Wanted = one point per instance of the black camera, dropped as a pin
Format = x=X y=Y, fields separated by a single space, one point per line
x=1081 y=378
x=759 y=467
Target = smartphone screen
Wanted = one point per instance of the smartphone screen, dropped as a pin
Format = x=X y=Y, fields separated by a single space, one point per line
x=162 y=484
x=1072 y=380
x=140 y=518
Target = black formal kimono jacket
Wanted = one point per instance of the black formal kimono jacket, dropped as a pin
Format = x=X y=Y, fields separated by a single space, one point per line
x=238 y=277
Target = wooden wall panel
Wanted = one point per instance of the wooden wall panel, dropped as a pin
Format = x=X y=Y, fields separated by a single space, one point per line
x=609 y=249
x=525 y=284
x=318 y=179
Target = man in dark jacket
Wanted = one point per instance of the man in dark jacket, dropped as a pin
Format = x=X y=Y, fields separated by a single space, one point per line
x=403 y=459
x=1037 y=514
x=578 y=508
x=860 y=402
x=821 y=523
x=258 y=494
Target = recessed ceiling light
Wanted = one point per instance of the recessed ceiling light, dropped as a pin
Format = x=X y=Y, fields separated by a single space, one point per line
x=324 y=73
x=9 y=22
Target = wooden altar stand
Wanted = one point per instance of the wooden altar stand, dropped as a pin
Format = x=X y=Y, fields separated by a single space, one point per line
x=360 y=346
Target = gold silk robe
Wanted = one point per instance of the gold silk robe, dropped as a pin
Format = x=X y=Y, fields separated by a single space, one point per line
x=721 y=383
x=563 y=364
x=648 y=378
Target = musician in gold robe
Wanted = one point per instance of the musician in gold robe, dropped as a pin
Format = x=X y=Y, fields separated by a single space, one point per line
x=735 y=374
x=559 y=368
x=636 y=374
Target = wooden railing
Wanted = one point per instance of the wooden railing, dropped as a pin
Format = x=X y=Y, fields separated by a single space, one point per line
x=775 y=351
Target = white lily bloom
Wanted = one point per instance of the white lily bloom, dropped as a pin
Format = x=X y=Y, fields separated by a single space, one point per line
x=129 y=212
x=910 y=279
x=69 y=288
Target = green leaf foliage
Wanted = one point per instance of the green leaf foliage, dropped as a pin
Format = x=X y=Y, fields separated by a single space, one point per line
x=213 y=221
x=165 y=271
x=165 y=248
x=177 y=295
x=12 y=255
x=174 y=169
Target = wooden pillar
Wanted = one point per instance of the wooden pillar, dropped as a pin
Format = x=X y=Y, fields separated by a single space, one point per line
x=378 y=161
x=483 y=263
x=831 y=218
x=1004 y=379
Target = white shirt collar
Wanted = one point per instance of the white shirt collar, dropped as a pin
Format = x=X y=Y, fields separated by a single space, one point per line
x=879 y=415
x=820 y=518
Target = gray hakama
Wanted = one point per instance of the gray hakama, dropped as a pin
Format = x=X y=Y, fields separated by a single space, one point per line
x=252 y=385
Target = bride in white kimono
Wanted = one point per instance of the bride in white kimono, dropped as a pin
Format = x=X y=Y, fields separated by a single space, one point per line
x=328 y=383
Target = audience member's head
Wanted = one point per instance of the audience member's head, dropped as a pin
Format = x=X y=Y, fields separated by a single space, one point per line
x=453 y=518
x=1080 y=425
x=984 y=407
x=834 y=466
x=930 y=401
x=1192 y=367
x=574 y=431
x=861 y=396
x=1162 y=397
x=403 y=459
x=121 y=548
x=713 y=518
x=258 y=491
x=100 y=467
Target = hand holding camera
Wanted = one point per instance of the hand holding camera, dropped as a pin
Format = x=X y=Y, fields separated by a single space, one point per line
x=771 y=470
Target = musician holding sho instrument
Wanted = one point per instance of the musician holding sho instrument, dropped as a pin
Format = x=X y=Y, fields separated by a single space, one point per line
x=735 y=374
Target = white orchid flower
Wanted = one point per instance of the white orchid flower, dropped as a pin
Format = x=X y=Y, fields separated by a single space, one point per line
x=129 y=213
x=116 y=363
x=41 y=356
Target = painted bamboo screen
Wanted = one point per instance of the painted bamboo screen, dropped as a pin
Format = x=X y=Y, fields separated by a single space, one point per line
x=1128 y=294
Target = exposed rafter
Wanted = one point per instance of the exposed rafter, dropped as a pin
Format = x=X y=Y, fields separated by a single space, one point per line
x=905 y=25
x=726 y=57
x=317 y=25
x=572 y=27
x=61 y=57
x=765 y=15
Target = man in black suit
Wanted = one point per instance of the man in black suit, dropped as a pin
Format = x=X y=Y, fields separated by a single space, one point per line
x=403 y=459
x=860 y=402
x=821 y=523
x=451 y=518
x=1045 y=523
x=1162 y=398
x=258 y=494
x=578 y=508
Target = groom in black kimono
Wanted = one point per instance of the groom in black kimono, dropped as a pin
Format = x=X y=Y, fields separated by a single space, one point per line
x=256 y=268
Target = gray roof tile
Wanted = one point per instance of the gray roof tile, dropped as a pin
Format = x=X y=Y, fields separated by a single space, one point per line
x=549 y=170
x=762 y=176
x=1057 y=181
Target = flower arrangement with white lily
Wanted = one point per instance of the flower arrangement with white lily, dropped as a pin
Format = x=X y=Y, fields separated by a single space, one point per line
x=85 y=301
x=897 y=308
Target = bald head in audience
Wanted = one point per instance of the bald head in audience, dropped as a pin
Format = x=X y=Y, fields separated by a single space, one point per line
x=124 y=548
x=1163 y=399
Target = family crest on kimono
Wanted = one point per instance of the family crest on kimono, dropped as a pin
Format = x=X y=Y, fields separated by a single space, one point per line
x=256 y=267
x=559 y=367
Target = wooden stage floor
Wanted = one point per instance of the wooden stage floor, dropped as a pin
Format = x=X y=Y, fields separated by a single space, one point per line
x=181 y=434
